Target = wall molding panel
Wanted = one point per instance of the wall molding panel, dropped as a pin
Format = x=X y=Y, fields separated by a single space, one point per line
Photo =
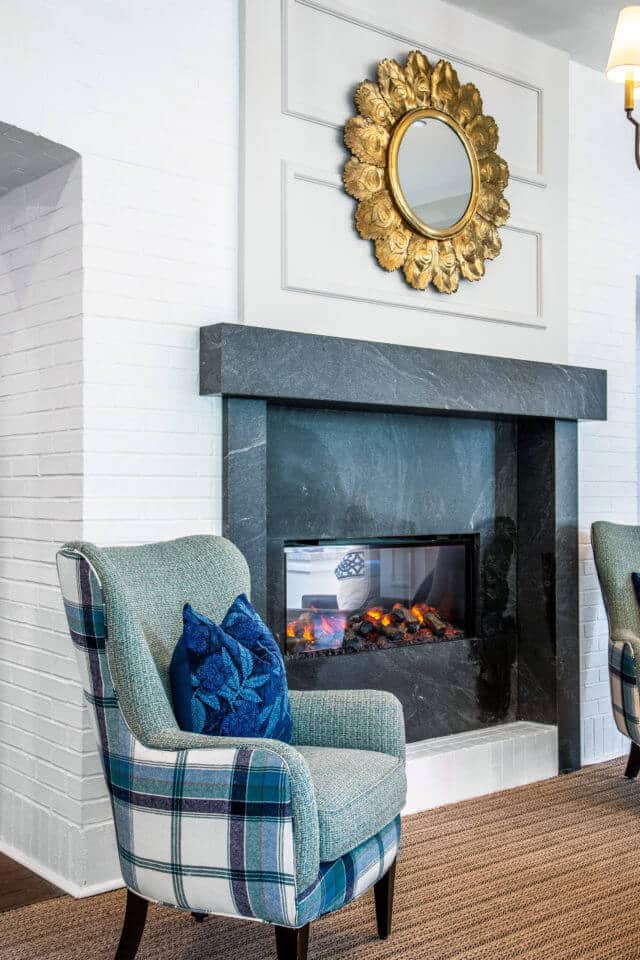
x=395 y=293
x=533 y=176
x=304 y=266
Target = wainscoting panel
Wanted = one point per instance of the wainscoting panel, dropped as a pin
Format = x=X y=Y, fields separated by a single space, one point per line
x=319 y=87
x=304 y=266
x=318 y=195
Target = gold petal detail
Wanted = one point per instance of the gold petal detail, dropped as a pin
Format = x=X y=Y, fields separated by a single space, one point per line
x=494 y=170
x=394 y=87
x=391 y=250
x=421 y=262
x=367 y=140
x=377 y=216
x=447 y=272
x=372 y=105
x=492 y=205
x=445 y=87
x=483 y=133
x=418 y=74
x=487 y=238
x=469 y=254
x=469 y=104
x=362 y=180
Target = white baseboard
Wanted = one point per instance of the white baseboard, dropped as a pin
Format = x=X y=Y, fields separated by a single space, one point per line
x=73 y=889
x=449 y=769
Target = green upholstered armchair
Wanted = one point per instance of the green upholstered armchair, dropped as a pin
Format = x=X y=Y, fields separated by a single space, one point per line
x=616 y=548
x=249 y=828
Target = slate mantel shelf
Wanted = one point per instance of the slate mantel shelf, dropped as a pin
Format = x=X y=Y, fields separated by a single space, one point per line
x=287 y=367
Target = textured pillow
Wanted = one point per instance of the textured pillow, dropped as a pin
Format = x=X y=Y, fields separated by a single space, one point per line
x=229 y=679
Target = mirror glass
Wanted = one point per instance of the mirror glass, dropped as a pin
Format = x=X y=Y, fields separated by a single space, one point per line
x=434 y=172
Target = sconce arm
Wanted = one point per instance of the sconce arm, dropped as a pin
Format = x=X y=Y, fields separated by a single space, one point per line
x=636 y=124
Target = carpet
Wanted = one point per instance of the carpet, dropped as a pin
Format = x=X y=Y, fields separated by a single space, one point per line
x=549 y=871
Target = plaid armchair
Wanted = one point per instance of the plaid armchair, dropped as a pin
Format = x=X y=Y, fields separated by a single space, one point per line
x=616 y=549
x=242 y=827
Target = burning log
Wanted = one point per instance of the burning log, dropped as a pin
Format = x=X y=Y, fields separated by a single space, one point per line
x=377 y=627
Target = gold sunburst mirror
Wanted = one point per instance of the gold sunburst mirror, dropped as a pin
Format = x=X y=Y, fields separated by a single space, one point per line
x=426 y=173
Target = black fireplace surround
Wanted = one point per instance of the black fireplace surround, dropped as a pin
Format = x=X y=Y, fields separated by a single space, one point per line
x=330 y=439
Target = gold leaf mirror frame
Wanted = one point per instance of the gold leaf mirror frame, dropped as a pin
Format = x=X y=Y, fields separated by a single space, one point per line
x=386 y=110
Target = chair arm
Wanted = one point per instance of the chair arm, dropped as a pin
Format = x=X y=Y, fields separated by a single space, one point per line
x=294 y=784
x=356 y=719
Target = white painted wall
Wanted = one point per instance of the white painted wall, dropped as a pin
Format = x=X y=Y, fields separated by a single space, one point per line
x=146 y=93
x=305 y=267
x=604 y=259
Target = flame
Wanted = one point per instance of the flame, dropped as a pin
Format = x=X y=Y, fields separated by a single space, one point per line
x=386 y=620
x=417 y=612
x=308 y=634
x=374 y=613
x=290 y=631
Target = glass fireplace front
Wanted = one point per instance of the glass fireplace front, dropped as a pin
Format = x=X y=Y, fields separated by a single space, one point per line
x=350 y=597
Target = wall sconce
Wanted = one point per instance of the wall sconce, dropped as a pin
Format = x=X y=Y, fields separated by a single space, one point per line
x=624 y=62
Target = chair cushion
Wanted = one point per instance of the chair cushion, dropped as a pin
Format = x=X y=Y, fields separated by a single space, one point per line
x=357 y=792
x=229 y=680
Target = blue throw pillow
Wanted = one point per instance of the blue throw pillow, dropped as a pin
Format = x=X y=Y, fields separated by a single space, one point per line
x=229 y=679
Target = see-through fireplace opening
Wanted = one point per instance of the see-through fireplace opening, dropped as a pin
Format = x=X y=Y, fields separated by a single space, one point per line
x=352 y=596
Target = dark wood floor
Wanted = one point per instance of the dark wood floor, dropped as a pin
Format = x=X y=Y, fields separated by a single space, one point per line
x=20 y=887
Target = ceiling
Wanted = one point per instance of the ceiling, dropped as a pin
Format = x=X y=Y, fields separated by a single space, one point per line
x=582 y=27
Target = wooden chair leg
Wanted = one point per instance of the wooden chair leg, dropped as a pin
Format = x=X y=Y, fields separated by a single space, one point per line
x=135 y=917
x=383 y=892
x=292 y=942
x=199 y=917
x=633 y=763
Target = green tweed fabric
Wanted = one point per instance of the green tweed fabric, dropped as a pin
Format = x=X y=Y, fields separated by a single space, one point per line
x=616 y=549
x=358 y=792
x=357 y=719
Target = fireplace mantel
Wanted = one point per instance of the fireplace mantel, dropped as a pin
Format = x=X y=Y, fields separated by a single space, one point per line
x=331 y=438
x=287 y=367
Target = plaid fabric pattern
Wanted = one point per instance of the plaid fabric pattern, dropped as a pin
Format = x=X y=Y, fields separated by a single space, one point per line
x=205 y=830
x=625 y=697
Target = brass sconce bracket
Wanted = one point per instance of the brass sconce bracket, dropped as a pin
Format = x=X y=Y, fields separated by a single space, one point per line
x=629 y=103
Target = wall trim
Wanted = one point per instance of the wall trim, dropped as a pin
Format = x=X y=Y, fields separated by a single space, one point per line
x=75 y=890
x=533 y=178
x=290 y=172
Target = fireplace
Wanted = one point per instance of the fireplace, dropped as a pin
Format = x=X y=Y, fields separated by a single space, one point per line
x=353 y=597
x=329 y=442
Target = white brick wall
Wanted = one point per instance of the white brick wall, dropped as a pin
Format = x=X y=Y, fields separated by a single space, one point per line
x=45 y=767
x=604 y=258
x=147 y=94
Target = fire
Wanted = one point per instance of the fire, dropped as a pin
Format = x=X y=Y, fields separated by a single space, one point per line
x=417 y=612
x=378 y=626
x=374 y=614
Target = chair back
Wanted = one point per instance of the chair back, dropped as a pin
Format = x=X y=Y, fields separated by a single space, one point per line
x=142 y=591
x=616 y=549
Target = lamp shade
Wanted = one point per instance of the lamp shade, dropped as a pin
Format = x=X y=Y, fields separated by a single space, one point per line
x=624 y=57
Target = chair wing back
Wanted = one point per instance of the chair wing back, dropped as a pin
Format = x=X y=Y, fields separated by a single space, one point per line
x=144 y=590
x=616 y=549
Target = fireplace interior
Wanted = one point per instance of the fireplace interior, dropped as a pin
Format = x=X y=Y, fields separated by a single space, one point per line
x=351 y=597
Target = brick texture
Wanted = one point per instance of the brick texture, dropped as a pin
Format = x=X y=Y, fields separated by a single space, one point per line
x=604 y=251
